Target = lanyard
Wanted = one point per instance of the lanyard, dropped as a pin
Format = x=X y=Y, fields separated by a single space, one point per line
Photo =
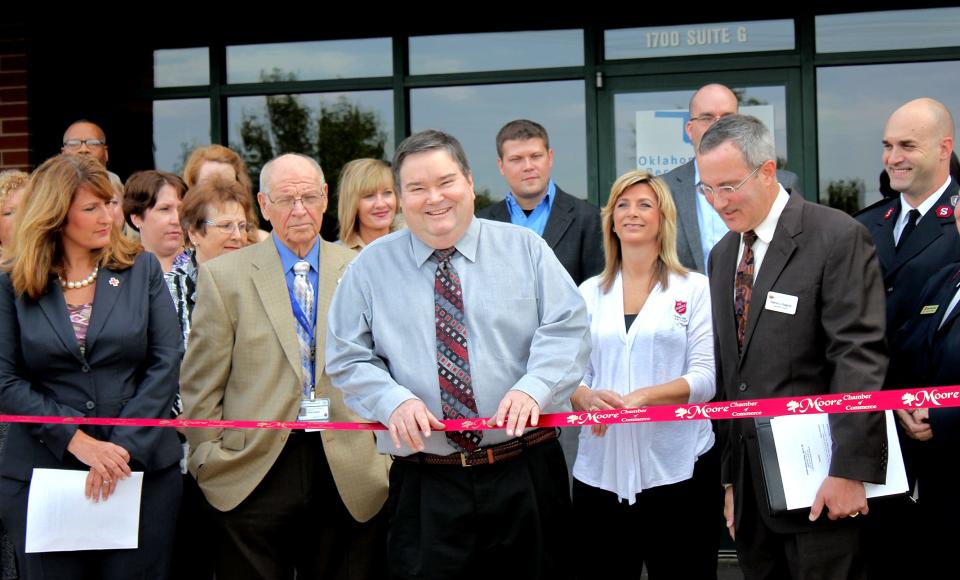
x=300 y=316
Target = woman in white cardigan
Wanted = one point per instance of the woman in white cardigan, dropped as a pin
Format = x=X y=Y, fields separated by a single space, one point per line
x=652 y=345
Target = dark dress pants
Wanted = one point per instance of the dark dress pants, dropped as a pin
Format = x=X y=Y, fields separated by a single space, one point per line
x=194 y=554
x=294 y=524
x=672 y=530
x=834 y=551
x=509 y=519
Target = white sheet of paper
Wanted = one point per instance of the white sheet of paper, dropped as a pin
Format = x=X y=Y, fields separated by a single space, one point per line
x=804 y=449
x=61 y=519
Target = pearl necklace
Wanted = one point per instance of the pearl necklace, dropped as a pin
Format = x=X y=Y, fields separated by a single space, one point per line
x=82 y=283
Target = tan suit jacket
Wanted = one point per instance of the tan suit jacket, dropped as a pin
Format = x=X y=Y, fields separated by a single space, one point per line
x=243 y=363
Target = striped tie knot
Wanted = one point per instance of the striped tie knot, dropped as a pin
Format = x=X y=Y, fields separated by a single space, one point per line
x=443 y=256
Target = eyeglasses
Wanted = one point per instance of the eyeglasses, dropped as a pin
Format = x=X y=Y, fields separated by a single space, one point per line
x=78 y=143
x=288 y=201
x=228 y=227
x=708 y=118
x=710 y=192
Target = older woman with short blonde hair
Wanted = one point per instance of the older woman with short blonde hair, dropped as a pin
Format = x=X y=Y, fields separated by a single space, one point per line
x=13 y=183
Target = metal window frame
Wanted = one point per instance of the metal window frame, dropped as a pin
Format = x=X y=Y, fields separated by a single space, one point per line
x=799 y=65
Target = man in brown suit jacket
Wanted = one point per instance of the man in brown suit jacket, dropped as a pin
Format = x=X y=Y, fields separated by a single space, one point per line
x=288 y=501
x=797 y=310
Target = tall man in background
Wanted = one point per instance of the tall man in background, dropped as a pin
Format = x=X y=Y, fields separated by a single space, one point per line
x=699 y=228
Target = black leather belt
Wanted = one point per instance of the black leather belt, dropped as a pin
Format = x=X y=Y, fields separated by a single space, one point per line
x=486 y=455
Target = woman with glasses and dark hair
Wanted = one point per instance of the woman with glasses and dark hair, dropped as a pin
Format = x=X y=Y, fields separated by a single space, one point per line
x=88 y=330
x=650 y=324
x=215 y=217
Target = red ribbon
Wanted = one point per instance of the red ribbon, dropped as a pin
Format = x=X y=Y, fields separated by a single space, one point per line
x=930 y=397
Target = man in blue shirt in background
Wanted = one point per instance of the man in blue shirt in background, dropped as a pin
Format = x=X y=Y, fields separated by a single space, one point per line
x=570 y=226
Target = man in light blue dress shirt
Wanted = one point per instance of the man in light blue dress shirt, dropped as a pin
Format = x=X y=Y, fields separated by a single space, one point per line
x=527 y=339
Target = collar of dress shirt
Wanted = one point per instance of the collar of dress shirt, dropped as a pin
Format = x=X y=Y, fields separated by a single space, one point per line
x=768 y=226
x=466 y=245
x=547 y=200
x=925 y=206
x=288 y=258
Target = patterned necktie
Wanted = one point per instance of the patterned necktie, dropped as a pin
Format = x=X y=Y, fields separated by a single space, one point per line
x=303 y=292
x=743 y=287
x=453 y=360
x=912 y=216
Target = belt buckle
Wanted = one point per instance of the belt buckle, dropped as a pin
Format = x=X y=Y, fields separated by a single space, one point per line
x=464 y=462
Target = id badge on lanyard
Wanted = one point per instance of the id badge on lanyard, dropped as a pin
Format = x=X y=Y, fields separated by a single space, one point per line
x=313 y=409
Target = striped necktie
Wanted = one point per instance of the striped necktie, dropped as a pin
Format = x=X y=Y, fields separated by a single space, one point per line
x=303 y=292
x=453 y=360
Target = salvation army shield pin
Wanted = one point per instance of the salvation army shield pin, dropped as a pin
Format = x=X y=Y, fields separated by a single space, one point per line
x=680 y=315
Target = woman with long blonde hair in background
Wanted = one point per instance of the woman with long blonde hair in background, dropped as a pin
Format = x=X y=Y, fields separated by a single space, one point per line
x=367 y=206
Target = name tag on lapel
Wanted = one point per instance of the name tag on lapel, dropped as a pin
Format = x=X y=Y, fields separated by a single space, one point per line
x=784 y=303
x=929 y=309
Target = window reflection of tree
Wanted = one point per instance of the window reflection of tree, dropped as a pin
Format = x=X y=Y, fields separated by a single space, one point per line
x=845 y=194
x=334 y=134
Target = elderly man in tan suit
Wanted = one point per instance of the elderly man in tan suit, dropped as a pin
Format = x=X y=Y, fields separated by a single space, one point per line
x=289 y=502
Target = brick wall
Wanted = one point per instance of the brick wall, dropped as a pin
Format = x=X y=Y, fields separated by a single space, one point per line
x=14 y=122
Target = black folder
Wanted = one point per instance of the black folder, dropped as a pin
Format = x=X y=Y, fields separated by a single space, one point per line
x=776 y=499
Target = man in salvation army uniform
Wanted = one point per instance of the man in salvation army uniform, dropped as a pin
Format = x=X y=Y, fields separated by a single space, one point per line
x=927 y=350
x=914 y=232
x=915 y=236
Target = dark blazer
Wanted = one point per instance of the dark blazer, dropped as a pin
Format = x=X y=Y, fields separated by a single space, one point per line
x=934 y=244
x=833 y=343
x=573 y=232
x=923 y=354
x=130 y=369
x=682 y=183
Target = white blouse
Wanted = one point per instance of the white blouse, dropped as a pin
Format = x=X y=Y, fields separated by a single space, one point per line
x=671 y=337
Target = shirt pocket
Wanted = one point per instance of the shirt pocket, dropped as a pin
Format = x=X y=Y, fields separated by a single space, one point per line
x=509 y=325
